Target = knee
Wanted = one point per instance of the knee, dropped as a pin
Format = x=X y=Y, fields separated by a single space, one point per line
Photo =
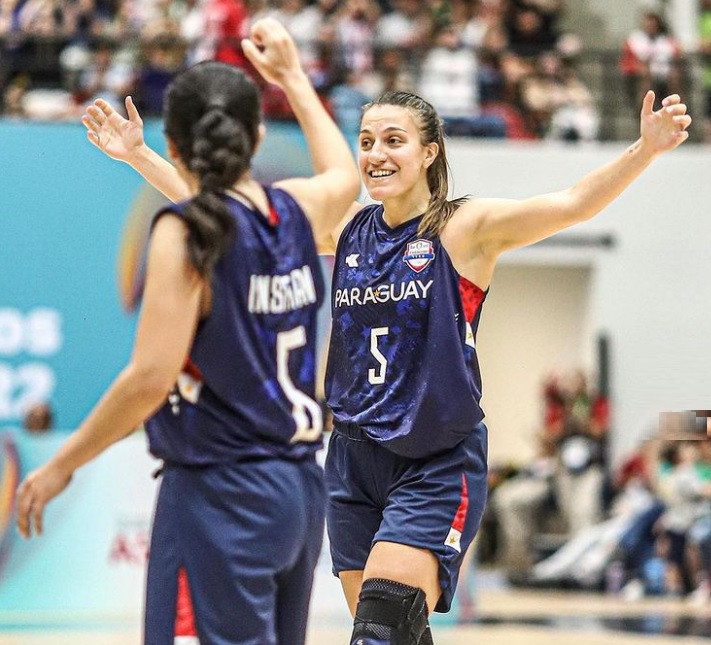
x=392 y=613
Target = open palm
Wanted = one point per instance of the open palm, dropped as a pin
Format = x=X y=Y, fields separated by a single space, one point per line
x=665 y=128
x=113 y=134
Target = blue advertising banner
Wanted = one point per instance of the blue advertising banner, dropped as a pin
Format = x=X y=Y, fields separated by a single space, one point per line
x=73 y=226
x=73 y=231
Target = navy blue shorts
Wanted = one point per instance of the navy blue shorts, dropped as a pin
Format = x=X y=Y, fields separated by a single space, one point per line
x=248 y=536
x=376 y=495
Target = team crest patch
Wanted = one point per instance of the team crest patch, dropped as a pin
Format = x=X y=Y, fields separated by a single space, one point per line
x=419 y=254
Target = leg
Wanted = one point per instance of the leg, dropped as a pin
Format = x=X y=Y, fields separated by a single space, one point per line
x=351 y=581
x=395 y=576
x=400 y=587
x=407 y=565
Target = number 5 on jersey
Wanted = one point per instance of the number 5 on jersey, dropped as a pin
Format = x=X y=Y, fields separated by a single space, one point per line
x=305 y=411
x=377 y=376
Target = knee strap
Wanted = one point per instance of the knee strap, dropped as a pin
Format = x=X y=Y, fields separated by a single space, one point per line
x=390 y=613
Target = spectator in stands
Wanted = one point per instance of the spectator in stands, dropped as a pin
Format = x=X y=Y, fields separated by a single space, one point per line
x=163 y=58
x=685 y=489
x=699 y=534
x=584 y=559
x=449 y=81
x=650 y=59
x=355 y=25
x=530 y=31
x=560 y=104
x=105 y=76
x=518 y=503
x=408 y=26
x=226 y=24
x=305 y=24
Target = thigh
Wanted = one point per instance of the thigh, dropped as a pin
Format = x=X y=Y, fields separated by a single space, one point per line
x=246 y=531
x=408 y=565
x=436 y=506
x=354 y=510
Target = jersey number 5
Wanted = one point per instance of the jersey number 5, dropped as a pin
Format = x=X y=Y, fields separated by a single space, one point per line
x=305 y=411
x=377 y=377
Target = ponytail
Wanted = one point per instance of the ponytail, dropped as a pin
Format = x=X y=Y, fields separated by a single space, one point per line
x=212 y=115
x=440 y=209
x=220 y=154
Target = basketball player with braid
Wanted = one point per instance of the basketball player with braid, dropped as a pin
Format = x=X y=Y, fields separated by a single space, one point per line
x=223 y=367
x=406 y=466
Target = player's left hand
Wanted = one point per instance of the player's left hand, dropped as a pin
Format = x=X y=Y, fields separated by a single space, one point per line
x=664 y=129
x=38 y=488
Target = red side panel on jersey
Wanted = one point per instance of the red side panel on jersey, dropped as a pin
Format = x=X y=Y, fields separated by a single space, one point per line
x=461 y=514
x=472 y=297
x=192 y=370
x=273 y=218
x=184 y=614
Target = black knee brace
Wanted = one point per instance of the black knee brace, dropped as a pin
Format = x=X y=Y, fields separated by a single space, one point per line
x=390 y=613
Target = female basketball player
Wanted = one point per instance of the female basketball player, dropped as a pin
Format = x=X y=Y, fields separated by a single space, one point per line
x=223 y=368
x=406 y=468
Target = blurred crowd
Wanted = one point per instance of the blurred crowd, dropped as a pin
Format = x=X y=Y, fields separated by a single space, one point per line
x=568 y=519
x=496 y=68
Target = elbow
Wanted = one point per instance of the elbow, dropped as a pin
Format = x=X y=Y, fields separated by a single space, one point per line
x=151 y=383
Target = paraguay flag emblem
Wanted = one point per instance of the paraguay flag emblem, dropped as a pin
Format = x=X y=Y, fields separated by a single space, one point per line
x=418 y=254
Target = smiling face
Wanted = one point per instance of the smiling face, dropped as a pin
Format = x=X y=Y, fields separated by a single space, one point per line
x=392 y=159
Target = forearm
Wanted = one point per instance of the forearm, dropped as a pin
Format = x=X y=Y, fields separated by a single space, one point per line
x=327 y=146
x=160 y=174
x=599 y=188
x=122 y=409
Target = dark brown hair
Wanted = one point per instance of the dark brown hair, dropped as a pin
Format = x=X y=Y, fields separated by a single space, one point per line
x=212 y=115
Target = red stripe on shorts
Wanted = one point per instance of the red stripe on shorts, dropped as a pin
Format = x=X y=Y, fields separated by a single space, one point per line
x=461 y=515
x=184 y=614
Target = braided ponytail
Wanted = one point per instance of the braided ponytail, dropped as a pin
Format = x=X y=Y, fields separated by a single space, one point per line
x=212 y=116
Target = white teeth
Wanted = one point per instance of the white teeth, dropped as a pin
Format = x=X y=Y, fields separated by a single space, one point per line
x=381 y=173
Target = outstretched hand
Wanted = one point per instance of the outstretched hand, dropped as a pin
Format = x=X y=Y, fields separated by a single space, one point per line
x=110 y=132
x=38 y=488
x=272 y=51
x=664 y=129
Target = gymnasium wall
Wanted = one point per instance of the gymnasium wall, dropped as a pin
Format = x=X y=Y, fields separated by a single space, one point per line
x=650 y=293
x=72 y=225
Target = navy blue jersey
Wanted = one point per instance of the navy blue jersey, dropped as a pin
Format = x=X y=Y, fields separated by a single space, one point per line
x=402 y=363
x=247 y=389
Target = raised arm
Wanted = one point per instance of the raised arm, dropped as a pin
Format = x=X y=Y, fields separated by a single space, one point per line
x=483 y=228
x=122 y=139
x=327 y=195
x=171 y=305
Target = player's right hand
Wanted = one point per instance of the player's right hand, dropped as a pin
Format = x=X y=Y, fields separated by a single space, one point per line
x=38 y=488
x=272 y=51
x=114 y=135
